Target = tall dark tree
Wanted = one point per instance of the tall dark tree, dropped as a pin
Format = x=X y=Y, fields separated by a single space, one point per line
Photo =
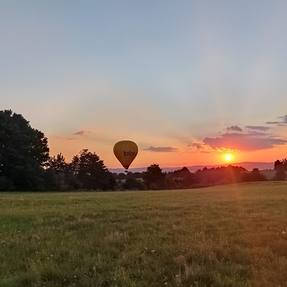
x=58 y=175
x=23 y=153
x=280 y=167
x=280 y=164
x=58 y=163
x=154 y=177
x=90 y=172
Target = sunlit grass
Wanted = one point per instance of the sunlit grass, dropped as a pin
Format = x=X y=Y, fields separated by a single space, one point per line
x=232 y=235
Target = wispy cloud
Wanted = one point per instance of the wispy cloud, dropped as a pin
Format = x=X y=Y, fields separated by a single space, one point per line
x=273 y=123
x=281 y=122
x=79 y=133
x=161 y=149
x=63 y=137
x=245 y=141
x=196 y=145
x=284 y=119
x=200 y=147
x=234 y=129
x=251 y=138
x=258 y=128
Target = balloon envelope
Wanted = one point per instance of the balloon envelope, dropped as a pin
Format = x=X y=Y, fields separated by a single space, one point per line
x=125 y=151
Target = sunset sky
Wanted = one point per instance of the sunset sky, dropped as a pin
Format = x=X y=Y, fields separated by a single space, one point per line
x=188 y=80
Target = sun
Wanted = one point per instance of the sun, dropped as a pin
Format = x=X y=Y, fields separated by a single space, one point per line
x=228 y=157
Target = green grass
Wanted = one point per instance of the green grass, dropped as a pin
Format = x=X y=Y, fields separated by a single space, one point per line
x=234 y=235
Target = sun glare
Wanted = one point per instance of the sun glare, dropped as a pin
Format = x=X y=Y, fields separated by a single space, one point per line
x=228 y=157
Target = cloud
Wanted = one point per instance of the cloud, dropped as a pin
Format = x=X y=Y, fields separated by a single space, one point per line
x=244 y=142
x=282 y=122
x=234 y=129
x=60 y=137
x=258 y=128
x=256 y=133
x=273 y=123
x=161 y=149
x=249 y=138
x=196 y=145
x=283 y=119
x=79 y=133
x=199 y=147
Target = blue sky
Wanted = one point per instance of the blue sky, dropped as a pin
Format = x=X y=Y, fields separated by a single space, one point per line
x=165 y=73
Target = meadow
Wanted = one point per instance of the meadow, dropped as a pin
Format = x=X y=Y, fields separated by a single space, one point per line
x=233 y=235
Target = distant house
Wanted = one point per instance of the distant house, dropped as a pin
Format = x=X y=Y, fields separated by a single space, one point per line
x=121 y=178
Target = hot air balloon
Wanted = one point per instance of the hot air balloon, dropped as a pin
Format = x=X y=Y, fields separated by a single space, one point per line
x=125 y=151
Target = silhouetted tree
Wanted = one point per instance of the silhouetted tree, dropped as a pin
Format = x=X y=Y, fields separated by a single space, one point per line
x=133 y=184
x=219 y=175
x=23 y=153
x=280 y=164
x=280 y=174
x=277 y=164
x=181 y=178
x=58 y=163
x=154 y=177
x=254 y=175
x=58 y=173
x=90 y=172
x=280 y=167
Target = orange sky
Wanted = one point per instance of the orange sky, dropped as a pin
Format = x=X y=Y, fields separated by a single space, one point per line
x=183 y=155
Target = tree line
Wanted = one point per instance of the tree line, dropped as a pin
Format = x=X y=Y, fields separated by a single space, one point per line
x=25 y=164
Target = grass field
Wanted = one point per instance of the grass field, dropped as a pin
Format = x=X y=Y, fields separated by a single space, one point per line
x=234 y=235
